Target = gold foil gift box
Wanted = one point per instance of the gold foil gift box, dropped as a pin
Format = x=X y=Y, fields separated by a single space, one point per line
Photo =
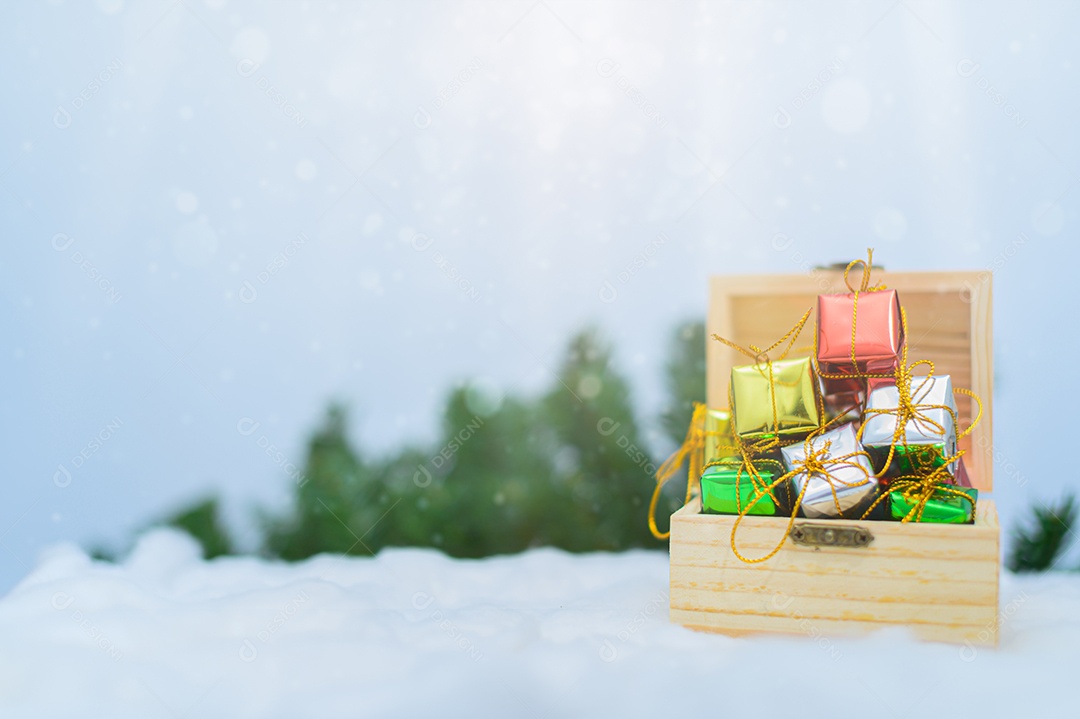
x=719 y=439
x=775 y=399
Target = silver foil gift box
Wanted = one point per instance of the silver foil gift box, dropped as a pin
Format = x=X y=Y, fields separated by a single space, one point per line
x=933 y=420
x=840 y=480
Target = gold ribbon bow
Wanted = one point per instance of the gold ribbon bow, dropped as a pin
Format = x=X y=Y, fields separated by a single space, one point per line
x=814 y=463
x=908 y=411
x=867 y=267
x=764 y=364
x=919 y=488
x=864 y=286
x=749 y=468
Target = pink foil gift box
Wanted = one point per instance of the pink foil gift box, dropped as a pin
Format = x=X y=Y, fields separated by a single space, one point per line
x=878 y=338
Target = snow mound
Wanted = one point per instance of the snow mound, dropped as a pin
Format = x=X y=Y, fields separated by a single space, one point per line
x=413 y=633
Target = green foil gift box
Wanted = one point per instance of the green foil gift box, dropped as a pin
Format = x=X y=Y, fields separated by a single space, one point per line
x=719 y=440
x=728 y=487
x=907 y=459
x=775 y=399
x=947 y=504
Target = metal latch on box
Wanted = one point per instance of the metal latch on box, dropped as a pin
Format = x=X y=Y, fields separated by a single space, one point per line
x=824 y=535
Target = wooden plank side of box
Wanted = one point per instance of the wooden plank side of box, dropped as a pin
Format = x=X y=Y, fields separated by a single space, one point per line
x=939 y=580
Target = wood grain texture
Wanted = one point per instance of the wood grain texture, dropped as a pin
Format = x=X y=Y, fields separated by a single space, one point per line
x=940 y=580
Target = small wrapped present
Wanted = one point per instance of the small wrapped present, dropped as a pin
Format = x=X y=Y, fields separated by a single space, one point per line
x=859 y=333
x=836 y=470
x=941 y=503
x=907 y=459
x=775 y=399
x=928 y=413
x=719 y=440
x=730 y=487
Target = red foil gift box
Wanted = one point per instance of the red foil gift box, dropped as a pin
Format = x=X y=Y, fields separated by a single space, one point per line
x=878 y=338
x=961 y=478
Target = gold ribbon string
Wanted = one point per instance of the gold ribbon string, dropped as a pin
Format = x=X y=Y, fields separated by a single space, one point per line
x=978 y=410
x=815 y=463
x=858 y=374
x=867 y=266
x=864 y=286
x=908 y=411
x=693 y=446
x=919 y=488
x=821 y=468
x=750 y=468
x=758 y=354
x=693 y=451
x=761 y=356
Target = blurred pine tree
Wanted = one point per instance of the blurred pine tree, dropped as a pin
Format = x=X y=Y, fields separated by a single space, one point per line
x=607 y=468
x=495 y=477
x=412 y=502
x=568 y=470
x=685 y=378
x=337 y=505
x=202 y=520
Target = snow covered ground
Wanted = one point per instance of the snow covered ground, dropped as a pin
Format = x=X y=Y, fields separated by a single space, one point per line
x=411 y=633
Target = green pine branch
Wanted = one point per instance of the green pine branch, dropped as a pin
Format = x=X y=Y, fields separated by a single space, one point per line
x=1042 y=540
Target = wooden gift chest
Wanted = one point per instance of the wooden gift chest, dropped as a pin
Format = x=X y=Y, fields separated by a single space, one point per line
x=940 y=580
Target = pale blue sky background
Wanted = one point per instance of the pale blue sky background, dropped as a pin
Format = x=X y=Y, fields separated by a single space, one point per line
x=219 y=210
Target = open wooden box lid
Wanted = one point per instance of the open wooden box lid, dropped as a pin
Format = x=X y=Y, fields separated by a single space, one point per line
x=949 y=317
